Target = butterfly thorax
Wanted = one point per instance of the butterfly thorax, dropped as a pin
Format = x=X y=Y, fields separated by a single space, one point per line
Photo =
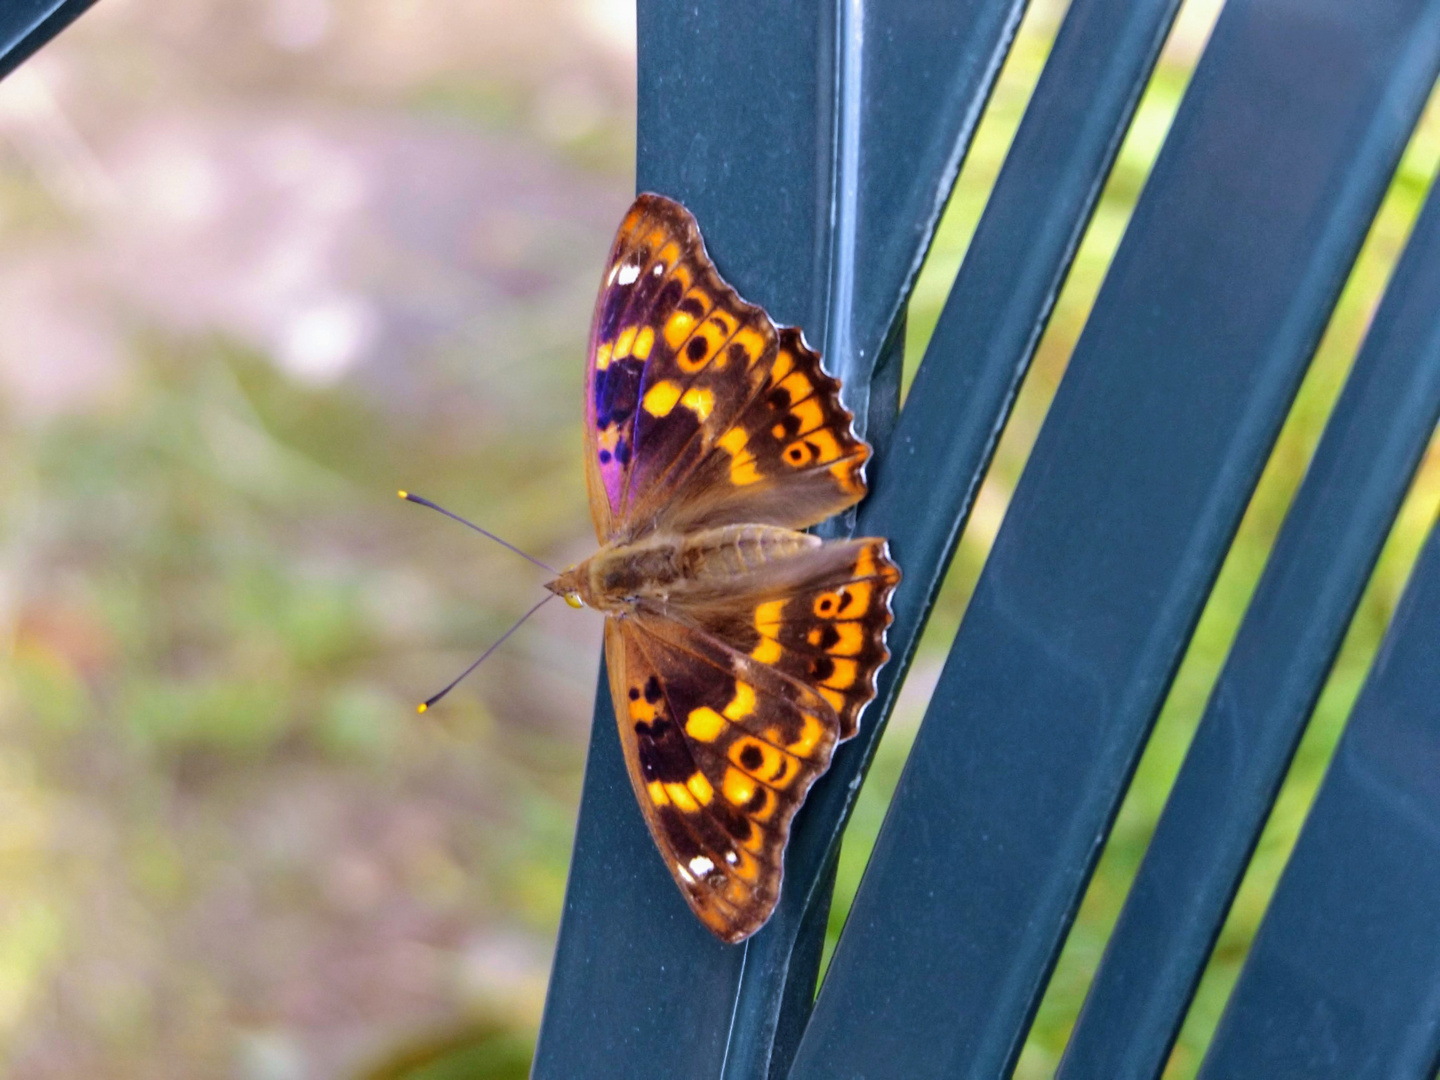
x=662 y=566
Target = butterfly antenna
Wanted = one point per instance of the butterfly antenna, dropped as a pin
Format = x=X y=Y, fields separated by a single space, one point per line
x=458 y=678
x=483 y=532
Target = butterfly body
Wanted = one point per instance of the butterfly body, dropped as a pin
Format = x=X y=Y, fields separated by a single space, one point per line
x=688 y=567
x=740 y=649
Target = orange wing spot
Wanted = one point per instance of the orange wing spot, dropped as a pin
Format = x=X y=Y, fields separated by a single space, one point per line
x=681 y=797
x=844 y=675
x=798 y=454
x=682 y=274
x=669 y=253
x=767 y=617
x=699 y=400
x=810 y=413
x=752 y=341
x=742 y=463
x=737 y=787
x=797 y=385
x=763 y=761
x=644 y=342
x=834 y=697
x=865 y=564
x=828 y=604
x=828 y=443
x=754 y=838
x=716 y=921
x=745 y=867
x=704 y=724
x=856 y=598
x=784 y=364
x=631 y=220
x=602 y=356
x=759 y=759
x=657 y=237
x=733 y=441
x=767 y=804
x=609 y=437
x=743 y=704
x=656 y=791
x=661 y=398
x=724 y=322
x=737 y=892
x=624 y=343
x=640 y=709
x=678 y=328
x=768 y=651
x=700 y=788
x=710 y=338
x=810 y=736
x=851 y=641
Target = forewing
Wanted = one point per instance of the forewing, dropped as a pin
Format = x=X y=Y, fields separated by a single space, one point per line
x=672 y=349
x=789 y=457
x=699 y=411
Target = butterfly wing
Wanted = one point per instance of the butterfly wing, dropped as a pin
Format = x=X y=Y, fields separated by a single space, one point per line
x=659 y=288
x=729 y=712
x=699 y=411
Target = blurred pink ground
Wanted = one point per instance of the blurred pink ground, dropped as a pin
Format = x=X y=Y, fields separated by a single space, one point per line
x=393 y=204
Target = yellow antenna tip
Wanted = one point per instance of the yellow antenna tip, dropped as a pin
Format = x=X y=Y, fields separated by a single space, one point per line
x=403 y=494
x=421 y=707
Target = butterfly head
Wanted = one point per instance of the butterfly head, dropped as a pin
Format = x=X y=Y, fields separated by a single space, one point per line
x=573 y=586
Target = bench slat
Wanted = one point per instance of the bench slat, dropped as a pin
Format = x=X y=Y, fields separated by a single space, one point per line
x=1213 y=304
x=736 y=120
x=1262 y=699
x=1343 y=979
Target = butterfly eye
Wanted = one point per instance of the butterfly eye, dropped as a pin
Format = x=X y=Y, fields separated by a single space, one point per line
x=573 y=599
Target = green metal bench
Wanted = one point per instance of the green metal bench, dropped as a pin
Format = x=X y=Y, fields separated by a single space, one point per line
x=817 y=145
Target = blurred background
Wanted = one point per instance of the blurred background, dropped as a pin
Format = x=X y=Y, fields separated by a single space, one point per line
x=263 y=263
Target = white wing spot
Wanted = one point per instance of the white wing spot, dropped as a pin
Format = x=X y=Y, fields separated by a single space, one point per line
x=613 y=271
x=680 y=868
x=659 y=269
x=628 y=273
x=700 y=866
x=731 y=858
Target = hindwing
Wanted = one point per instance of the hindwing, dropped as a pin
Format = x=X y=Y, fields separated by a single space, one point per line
x=729 y=712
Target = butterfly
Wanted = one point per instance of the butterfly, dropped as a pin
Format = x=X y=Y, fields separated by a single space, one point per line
x=740 y=650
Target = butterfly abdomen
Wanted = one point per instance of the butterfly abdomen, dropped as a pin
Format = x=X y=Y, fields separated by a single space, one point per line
x=733 y=550
x=662 y=566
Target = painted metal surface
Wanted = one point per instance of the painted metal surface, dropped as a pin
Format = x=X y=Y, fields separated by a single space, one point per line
x=26 y=25
x=1282 y=652
x=1198 y=340
x=1343 y=979
x=775 y=127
